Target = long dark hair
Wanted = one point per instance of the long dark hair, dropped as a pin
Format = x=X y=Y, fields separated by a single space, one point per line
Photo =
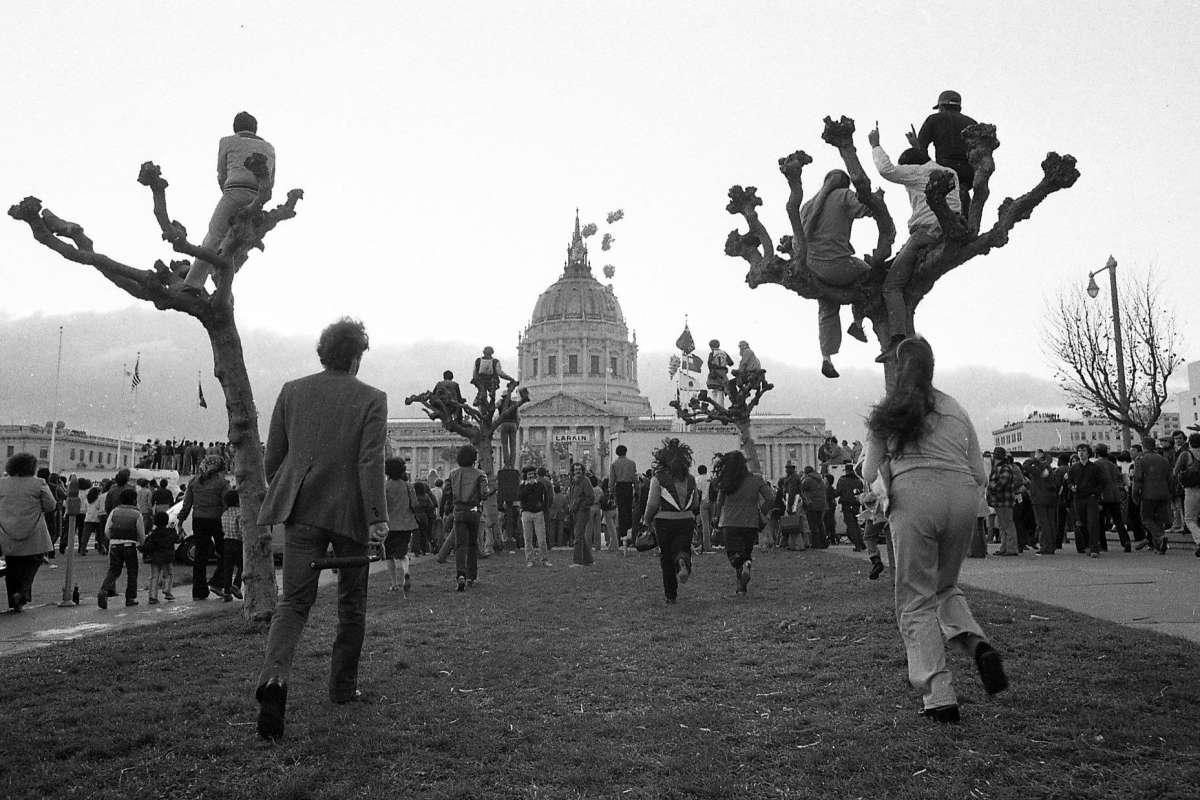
x=673 y=457
x=901 y=417
x=731 y=471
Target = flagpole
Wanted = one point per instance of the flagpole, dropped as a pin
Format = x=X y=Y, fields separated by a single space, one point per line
x=125 y=371
x=57 y=381
x=137 y=365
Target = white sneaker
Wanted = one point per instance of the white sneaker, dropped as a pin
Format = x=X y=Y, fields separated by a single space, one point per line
x=529 y=563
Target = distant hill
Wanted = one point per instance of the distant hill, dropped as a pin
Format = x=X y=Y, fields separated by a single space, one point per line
x=97 y=347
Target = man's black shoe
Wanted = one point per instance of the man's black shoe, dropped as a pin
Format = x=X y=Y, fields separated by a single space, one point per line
x=462 y=583
x=102 y=599
x=943 y=714
x=828 y=370
x=889 y=353
x=272 y=700
x=991 y=670
x=856 y=330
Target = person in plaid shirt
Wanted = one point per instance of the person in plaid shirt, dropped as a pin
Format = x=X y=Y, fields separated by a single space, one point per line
x=1001 y=495
x=231 y=549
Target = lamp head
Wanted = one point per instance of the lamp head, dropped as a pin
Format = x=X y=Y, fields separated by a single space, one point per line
x=1092 y=288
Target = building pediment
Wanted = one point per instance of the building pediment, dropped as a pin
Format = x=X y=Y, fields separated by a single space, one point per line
x=563 y=405
x=790 y=431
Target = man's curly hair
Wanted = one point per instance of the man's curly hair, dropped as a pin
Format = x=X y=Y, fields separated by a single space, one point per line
x=673 y=457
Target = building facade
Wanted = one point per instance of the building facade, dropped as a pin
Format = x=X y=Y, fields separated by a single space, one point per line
x=1056 y=433
x=578 y=359
x=74 y=450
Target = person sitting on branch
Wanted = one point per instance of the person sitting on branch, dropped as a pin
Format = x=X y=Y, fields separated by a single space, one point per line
x=913 y=173
x=719 y=363
x=827 y=219
x=944 y=130
x=486 y=376
x=750 y=373
x=447 y=397
x=239 y=188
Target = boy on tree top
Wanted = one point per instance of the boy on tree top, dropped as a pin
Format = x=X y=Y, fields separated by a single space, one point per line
x=486 y=376
x=448 y=397
x=239 y=187
x=944 y=130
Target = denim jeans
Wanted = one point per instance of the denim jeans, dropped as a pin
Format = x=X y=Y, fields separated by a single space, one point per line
x=674 y=545
x=302 y=544
x=207 y=534
x=533 y=525
x=231 y=200
x=122 y=556
x=466 y=544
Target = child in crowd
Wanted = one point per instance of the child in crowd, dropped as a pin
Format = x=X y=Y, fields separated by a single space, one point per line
x=125 y=534
x=402 y=521
x=231 y=549
x=159 y=552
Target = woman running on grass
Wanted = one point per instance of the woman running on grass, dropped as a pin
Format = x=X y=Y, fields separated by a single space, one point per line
x=743 y=501
x=671 y=506
x=936 y=472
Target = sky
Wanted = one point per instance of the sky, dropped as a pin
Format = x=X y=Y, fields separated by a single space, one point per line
x=444 y=147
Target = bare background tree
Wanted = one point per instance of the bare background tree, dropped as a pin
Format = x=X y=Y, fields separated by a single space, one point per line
x=163 y=286
x=1080 y=340
x=477 y=423
x=961 y=240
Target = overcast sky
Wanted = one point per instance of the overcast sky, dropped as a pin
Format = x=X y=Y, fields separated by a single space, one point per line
x=443 y=149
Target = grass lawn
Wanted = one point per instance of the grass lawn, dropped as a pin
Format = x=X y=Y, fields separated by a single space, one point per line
x=564 y=683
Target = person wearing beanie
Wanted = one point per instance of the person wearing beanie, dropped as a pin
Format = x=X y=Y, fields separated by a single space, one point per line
x=239 y=188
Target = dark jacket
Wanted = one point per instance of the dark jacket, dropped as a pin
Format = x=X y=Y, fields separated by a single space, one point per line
x=1152 y=478
x=813 y=490
x=324 y=457
x=206 y=497
x=160 y=546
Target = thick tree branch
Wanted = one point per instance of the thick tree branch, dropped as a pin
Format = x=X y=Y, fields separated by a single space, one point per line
x=981 y=142
x=840 y=134
x=792 y=167
x=745 y=202
x=173 y=231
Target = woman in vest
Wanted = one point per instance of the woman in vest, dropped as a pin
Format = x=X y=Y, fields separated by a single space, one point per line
x=24 y=501
x=205 y=502
x=672 y=504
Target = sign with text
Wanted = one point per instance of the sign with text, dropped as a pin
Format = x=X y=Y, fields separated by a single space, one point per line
x=572 y=437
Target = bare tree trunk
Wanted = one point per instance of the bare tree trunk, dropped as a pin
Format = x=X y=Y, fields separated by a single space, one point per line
x=163 y=286
x=749 y=448
x=229 y=367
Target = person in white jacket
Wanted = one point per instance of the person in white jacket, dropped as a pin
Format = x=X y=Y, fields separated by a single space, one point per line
x=913 y=171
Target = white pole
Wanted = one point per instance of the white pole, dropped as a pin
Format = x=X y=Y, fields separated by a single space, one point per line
x=125 y=370
x=57 y=379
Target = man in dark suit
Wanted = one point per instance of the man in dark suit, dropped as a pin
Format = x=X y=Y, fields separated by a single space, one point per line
x=324 y=464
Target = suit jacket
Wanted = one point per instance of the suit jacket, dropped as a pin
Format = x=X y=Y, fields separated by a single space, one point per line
x=325 y=454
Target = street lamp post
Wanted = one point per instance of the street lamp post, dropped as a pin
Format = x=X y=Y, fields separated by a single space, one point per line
x=1093 y=290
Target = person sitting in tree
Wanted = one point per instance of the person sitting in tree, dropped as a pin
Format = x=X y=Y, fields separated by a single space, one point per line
x=750 y=374
x=447 y=397
x=944 y=130
x=486 y=376
x=913 y=173
x=719 y=363
x=239 y=188
x=827 y=219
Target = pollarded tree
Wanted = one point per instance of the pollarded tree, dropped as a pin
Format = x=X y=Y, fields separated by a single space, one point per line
x=163 y=286
x=962 y=239
x=477 y=423
x=741 y=400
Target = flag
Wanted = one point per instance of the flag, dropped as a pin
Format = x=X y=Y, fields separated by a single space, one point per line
x=200 y=390
x=137 y=376
x=685 y=342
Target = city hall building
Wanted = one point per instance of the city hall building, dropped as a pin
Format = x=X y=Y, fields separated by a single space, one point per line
x=579 y=362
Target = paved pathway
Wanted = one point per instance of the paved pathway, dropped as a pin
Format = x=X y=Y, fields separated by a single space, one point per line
x=44 y=623
x=1139 y=589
